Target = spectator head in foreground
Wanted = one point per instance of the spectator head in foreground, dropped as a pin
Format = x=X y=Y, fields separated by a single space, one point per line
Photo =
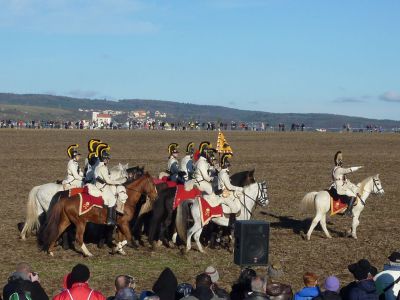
x=258 y=284
x=213 y=273
x=80 y=273
x=332 y=284
x=310 y=279
x=362 y=269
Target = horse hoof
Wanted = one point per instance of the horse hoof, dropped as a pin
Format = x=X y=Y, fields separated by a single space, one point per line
x=89 y=255
x=51 y=253
x=187 y=250
x=20 y=226
x=141 y=243
x=101 y=243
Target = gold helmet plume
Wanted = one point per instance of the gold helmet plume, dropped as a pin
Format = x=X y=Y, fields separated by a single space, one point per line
x=72 y=151
x=190 y=148
x=225 y=160
x=92 y=145
x=102 y=149
x=203 y=146
x=173 y=148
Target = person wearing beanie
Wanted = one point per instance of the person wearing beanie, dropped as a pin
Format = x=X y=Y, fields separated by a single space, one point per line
x=363 y=288
x=331 y=287
x=80 y=289
x=214 y=275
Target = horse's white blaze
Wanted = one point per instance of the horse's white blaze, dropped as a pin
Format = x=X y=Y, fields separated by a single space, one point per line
x=320 y=202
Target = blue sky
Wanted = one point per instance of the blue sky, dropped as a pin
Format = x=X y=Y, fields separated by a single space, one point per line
x=337 y=56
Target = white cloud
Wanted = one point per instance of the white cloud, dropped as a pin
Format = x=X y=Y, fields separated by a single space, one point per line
x=75 y=16
x=349 y=100
x=390 y=96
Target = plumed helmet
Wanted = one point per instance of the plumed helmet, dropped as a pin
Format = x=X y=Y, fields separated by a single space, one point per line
x=173 y=148
x=92 y=145
x=338 y=158
x=225 y=163
x=203 y=147
x=103 y=151
x=72 y=151
x=190 y=148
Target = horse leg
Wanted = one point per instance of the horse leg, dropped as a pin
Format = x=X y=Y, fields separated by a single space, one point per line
x=124 y=231
x=64 y=223
x=80 y=230
x=354 y=226
x=324 y=228
x=197 y=239
x=314 y=223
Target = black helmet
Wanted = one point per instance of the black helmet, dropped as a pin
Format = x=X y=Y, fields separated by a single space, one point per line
x=72 y=151
x=225 y=163
x=190 y=148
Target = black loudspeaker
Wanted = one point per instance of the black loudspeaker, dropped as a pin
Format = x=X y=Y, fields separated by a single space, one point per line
x=251 y=243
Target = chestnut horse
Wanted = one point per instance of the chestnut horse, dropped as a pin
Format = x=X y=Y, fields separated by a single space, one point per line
x=66 y=211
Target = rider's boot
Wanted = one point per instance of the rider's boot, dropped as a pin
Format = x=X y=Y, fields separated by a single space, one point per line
x=349 y=210
x=111 y=216
x=231 y=224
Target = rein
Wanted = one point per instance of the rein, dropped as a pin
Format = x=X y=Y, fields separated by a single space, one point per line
x=256 y=200
x=369 y=192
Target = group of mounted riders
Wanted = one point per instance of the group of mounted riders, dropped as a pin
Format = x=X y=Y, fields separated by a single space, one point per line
x=201 y=167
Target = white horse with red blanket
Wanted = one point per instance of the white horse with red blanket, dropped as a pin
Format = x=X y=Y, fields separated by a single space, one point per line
x=321 y=203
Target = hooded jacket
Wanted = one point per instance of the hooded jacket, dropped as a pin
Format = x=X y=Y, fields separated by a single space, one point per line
x=19 y=282
x=166 y=284
x=307 y=293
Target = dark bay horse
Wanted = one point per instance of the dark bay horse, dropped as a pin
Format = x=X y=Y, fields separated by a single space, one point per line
x=66 y=211
x=163 y=207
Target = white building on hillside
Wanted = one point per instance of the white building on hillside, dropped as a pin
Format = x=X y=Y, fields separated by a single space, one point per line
x=100 y=117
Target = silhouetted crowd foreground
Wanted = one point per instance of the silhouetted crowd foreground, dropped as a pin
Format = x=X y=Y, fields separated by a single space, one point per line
x=24 y=284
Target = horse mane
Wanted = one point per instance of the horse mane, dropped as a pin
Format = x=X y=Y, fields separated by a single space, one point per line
x=239 y=179
x=130 y=180
x=363 y=183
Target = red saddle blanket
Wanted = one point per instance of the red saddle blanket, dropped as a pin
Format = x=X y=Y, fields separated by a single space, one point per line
x=207 y=212
x=165 y=180
x=87 y=202
x=337 y=206
x=75 y=191
x=181 y=194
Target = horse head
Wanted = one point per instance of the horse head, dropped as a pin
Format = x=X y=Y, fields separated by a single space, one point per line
x=144 y=185
x=135 y=172
x=257 y=192
x=377 y=187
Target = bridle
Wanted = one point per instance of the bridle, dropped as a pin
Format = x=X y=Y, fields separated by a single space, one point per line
x=378 y=190
x=260 y=199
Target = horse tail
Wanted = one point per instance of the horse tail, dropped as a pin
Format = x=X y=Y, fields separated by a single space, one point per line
x=182 y=213
x=50 y=232
x=307 y=203
x=32 y=220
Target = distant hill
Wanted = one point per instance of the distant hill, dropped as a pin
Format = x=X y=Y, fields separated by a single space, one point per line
x=48 y=107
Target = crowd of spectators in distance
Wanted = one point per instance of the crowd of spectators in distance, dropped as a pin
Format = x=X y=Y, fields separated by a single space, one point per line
x=368 y=284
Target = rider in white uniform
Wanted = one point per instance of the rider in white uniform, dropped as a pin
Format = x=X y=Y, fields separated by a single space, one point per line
x=186 y=164
x=202 y=177
x=105 y=184
x=342 y=183
x=74 y=175
x=228 y=191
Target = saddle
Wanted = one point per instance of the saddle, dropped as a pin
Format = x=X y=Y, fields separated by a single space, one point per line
x=339 y=203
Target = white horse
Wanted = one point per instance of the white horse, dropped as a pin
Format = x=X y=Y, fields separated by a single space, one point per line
x=40 y=197
x=321 y=202
x=255 y=193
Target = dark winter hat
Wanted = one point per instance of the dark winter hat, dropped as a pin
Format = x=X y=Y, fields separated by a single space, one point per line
x=395 y=257
x=80 y=273
x=361 y=269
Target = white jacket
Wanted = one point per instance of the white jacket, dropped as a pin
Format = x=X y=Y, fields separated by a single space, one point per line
x=201 y=171
x=74 y=175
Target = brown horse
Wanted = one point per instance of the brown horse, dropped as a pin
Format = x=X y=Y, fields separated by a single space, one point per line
x=66 y=211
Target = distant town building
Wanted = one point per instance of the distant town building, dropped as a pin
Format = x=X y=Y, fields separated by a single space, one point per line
x=101 y=117
x=159 y=114
x=138 y=114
